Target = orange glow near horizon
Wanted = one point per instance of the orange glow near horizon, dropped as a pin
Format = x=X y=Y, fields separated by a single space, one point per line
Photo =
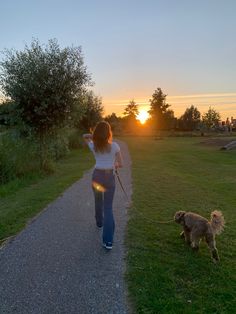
x=224 y=103
x=142 y=116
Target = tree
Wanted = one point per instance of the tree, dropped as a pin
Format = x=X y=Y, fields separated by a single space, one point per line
x=131 y=110
x=129 y=121
x=7 y=116
x=211 y=118
x=44 y=82
x=158 y=110
x=115 y=122
x=112 y=118
x=190 y=119
x=169 y=119
x=93 y=111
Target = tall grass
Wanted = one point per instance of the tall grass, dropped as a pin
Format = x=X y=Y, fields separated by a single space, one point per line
x=19 y=156
x=23 y=198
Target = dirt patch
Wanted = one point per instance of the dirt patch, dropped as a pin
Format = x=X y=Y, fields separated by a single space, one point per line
x=217 y=141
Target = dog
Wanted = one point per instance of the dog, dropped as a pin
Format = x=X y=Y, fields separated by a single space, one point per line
x=196 y=227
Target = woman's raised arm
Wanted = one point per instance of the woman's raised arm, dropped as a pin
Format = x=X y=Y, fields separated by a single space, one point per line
x=87 y=137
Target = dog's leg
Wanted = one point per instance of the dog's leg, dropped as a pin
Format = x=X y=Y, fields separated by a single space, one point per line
x=194 y=245
x=195 y=240
x=210 y=240
x=186 y=235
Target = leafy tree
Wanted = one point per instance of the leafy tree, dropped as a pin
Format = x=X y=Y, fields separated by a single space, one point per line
x=160 y=116
x=131 y=110
x=112 y=118
x=44 y=82
x=92 y=112
x=115 y=122
x=211 y=118
x=129 y=121
x=169 y=119
x=190 y=119
x=7 y=113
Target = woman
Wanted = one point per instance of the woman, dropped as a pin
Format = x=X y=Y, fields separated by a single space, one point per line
x=108 y=156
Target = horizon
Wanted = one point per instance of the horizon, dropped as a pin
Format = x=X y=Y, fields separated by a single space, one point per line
x=200 y=101
x=118 y=107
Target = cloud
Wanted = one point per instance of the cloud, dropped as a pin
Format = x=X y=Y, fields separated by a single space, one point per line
x=205 y=95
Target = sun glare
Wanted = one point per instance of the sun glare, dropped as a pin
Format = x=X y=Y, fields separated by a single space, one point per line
x=142 y=116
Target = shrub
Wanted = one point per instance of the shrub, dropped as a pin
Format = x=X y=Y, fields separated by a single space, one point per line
x=18 y=157
x=58 y=146
x=75 y=140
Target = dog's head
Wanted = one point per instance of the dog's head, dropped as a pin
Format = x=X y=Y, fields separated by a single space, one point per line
x=179 y=217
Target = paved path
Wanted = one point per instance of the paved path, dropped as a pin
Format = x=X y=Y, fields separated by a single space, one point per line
x=57 y=264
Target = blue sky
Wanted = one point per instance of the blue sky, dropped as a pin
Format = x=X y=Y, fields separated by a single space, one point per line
x=186 y=47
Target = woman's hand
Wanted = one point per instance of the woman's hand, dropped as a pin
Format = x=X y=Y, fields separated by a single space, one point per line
x=87 y=137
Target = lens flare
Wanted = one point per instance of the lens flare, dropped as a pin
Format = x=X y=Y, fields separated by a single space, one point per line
x=97 y=186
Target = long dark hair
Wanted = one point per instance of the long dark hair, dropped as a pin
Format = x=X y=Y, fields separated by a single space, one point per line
x=102 y=137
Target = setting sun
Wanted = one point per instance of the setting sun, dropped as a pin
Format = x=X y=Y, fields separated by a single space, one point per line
x=143 y=116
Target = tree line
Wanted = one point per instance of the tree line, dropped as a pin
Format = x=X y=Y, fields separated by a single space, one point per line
x=161 y=117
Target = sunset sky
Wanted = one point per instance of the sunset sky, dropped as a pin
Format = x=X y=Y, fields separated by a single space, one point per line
x=186 y=47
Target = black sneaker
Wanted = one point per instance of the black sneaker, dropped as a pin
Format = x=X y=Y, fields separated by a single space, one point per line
x=107 y=245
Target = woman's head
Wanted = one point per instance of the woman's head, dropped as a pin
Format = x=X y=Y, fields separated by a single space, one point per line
x=102 y=137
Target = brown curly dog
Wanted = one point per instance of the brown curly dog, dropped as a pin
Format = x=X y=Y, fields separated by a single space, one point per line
x=196 y=227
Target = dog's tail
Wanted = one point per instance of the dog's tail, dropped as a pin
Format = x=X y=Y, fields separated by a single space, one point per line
x=217 y=221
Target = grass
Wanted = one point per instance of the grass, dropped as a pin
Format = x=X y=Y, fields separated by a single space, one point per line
x=22 y=199
x=164 y=275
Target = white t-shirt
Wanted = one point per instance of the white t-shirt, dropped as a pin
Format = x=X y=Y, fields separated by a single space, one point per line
x=105 y=160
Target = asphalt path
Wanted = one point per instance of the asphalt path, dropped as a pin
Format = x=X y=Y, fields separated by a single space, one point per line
x=57 y=263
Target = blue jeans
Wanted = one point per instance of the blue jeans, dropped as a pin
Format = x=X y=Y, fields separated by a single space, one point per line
x=103 y=183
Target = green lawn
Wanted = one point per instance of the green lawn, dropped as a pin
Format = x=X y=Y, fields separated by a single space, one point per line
x=164 y=275
x=22 y=199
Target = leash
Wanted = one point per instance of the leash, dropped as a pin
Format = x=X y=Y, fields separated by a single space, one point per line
x=141 y=214
x=121 y=185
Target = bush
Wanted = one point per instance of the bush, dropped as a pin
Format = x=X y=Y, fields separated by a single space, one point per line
x=18 y=157
x=58 y=146
x=75 y=139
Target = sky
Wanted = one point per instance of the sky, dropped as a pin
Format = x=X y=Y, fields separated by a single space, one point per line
x=186 y=47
